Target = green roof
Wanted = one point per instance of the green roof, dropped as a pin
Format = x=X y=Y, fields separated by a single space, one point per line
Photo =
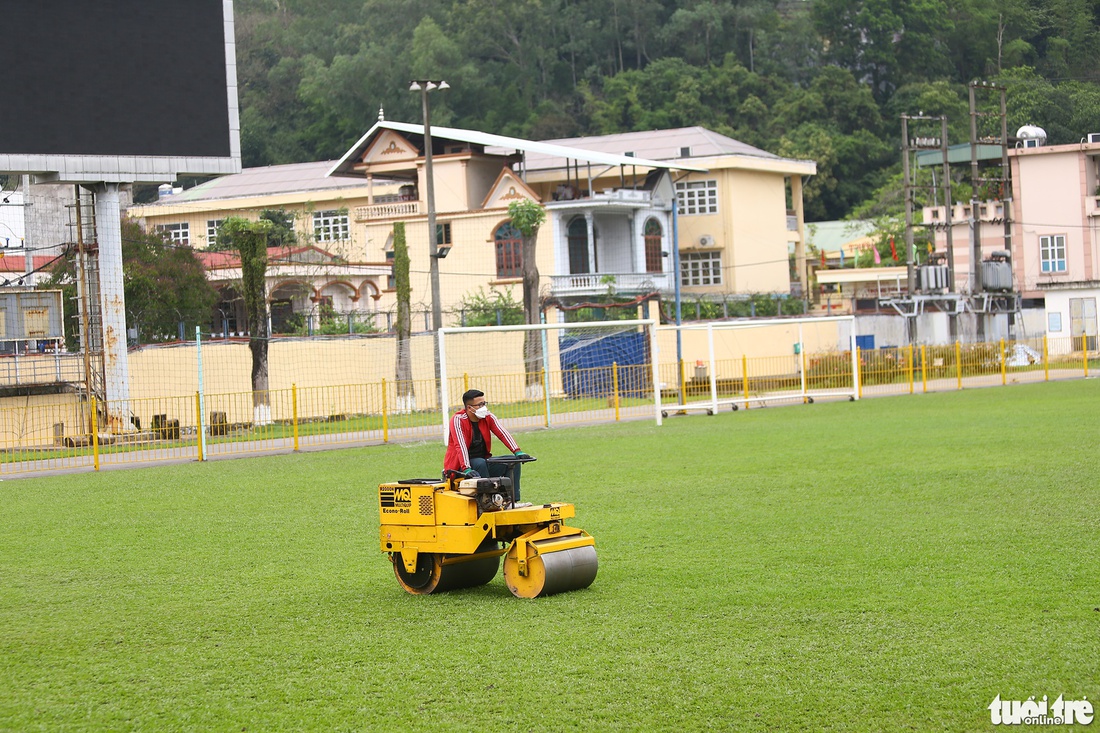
x=830 y=236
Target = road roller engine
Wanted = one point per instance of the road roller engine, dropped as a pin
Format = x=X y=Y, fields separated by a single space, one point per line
x=446 y=534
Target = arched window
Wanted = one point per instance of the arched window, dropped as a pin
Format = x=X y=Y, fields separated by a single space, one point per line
x=653 y=259
x=509 y=251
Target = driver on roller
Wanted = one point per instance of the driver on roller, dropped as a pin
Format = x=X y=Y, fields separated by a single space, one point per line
x=470 y=441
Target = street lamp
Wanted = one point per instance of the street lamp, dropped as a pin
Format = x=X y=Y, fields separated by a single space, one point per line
x=424 y=86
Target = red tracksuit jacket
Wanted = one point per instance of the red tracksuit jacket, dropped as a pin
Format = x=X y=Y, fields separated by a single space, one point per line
x=460 y=433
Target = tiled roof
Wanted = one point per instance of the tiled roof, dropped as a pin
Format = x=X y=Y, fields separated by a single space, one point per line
x=17 y=262
x=222 y=259
x=265 y=181
x=655 y=145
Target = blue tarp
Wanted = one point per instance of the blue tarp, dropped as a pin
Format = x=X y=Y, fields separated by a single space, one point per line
x=586 y=364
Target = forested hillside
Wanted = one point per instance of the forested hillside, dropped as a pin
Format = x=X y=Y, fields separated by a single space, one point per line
x=817 y=79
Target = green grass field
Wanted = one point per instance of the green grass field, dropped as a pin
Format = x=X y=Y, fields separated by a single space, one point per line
x=890 y=564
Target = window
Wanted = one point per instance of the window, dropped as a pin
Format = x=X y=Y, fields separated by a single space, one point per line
x=212 y=231
x=443 y=233
x=176 y=233
x=391 y=279
x=509 y=251
x=701 y=268
x=697 y=197
x=330 y=226
x=1052 y=252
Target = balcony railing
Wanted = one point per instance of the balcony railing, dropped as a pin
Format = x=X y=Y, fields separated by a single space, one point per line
x=40 y=369
x=599 y=283
x=386 y=211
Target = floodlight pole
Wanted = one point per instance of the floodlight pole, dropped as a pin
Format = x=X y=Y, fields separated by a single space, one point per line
x=424 y=86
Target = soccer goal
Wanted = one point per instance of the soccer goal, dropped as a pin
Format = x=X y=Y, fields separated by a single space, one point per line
x=746 y=363
x=553 y=373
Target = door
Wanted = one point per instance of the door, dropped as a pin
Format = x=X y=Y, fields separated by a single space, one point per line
x=1082 y=322
x=578 y=247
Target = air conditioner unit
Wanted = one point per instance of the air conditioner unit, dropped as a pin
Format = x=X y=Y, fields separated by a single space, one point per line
x=1094 y=137
x=1031 y=143
x=706 y=241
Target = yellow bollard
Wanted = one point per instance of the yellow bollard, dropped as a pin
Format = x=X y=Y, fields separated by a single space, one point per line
x=385 y=418
x=958 y=364
x=1085 y=352
x=294 y=411
x=465 y=381
x=615 y=386
x=1046 y=360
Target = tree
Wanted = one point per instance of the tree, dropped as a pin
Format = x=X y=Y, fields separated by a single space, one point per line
x=164 y=286
x=282 y=234
x=251 y=239
x=527 y=216
x=497 y=308
x=406 y=394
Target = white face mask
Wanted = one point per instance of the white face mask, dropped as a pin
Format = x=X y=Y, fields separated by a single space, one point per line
x=481 y=412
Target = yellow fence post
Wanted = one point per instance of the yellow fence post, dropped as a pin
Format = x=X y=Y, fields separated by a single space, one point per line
x=1085 y=352
x=745 y=377
x=198 y=422
x=805 y=378
x=683 y=384
x=385 y=417
x=1004 y=378
x=545 y=401
x=95 y=435
x=465 y=381
x=924 y=368
x=615 y=386
x=958 y=364
x=1046 y=360
x=294 y=412
x=910 y=369
x=859 y=370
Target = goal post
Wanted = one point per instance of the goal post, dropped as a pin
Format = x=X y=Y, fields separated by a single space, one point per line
x=750 y=362
x=541 y=375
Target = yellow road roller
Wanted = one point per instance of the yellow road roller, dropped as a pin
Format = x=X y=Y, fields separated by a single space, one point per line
x=446 y=534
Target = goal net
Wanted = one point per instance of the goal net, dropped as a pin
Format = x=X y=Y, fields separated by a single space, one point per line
x=554 y=373
x=745 y=363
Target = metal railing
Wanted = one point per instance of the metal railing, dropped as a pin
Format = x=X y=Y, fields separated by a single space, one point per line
x=36 y=369
x=68 y=431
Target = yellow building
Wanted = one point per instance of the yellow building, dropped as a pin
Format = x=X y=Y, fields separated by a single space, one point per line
x=609 y=230
x=735 y=218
